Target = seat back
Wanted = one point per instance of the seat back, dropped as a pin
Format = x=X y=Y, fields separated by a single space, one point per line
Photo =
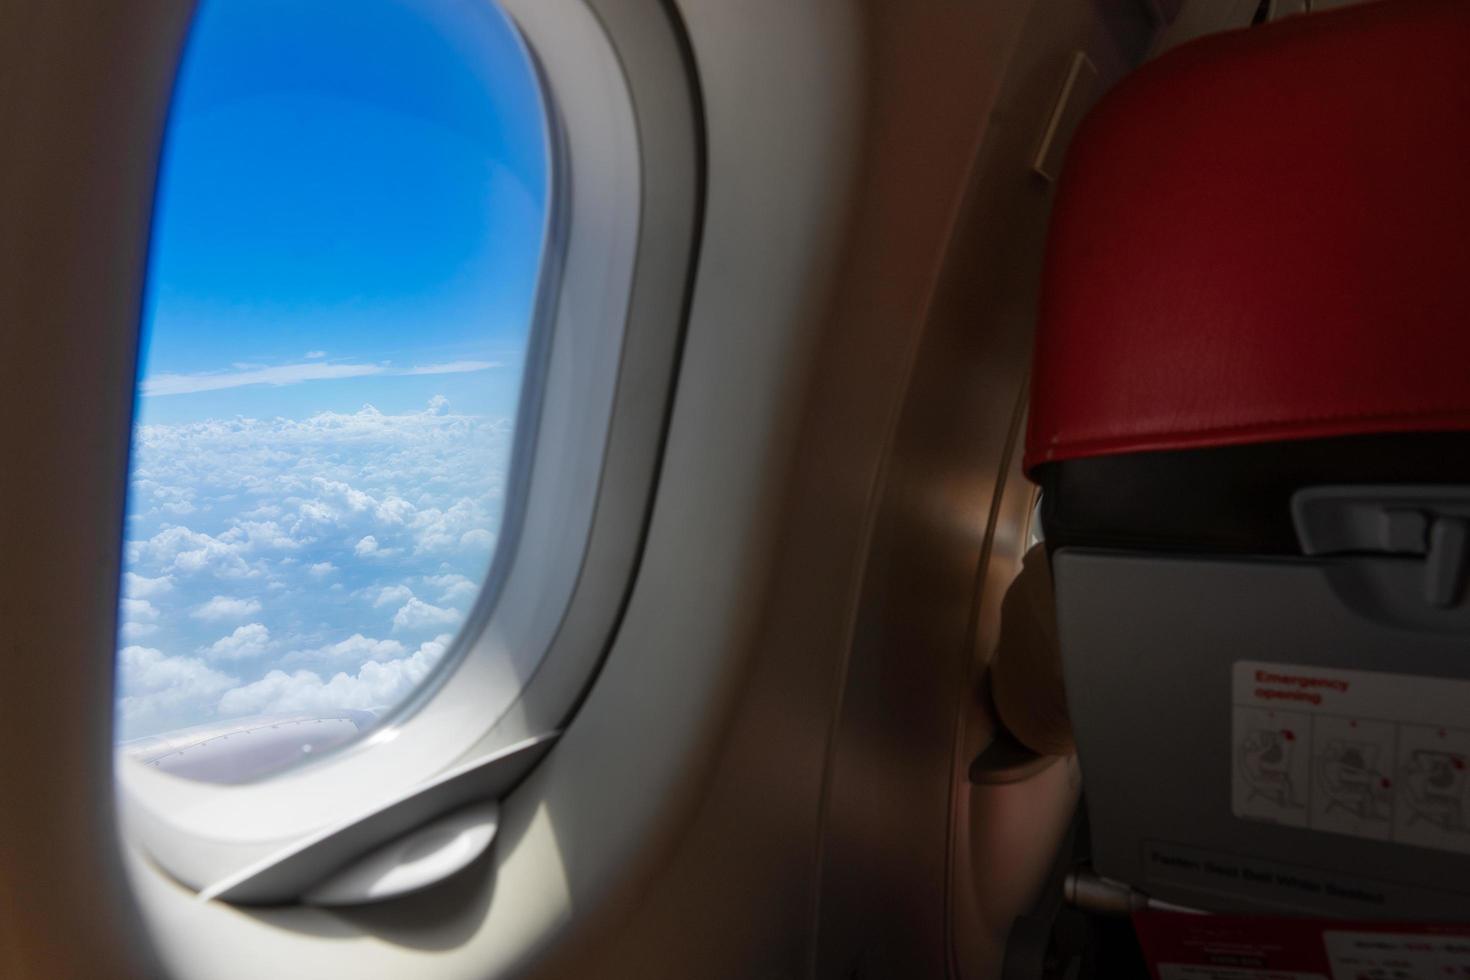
x=1251 y=423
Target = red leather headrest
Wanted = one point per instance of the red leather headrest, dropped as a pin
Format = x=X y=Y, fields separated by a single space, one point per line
x=1265 y=235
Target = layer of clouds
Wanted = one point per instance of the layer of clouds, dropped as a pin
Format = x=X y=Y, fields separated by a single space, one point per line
x=138 y=619
x=375 y=685
x=280 y=374
x=158 y=692
x=353 y=651
x=139 y=609
x=138 y=587
x=421 y=481
x=393 y=595
x=274 y=564
x=179 y=549
x=314 y=368
x=132 y=631
x=245 y=642
x=453 y=588
x=227 y=607
x=416 y=614
x=454 y=367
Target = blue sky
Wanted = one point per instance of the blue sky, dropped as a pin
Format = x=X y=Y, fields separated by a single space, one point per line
x=346 y=241
x=364 y=181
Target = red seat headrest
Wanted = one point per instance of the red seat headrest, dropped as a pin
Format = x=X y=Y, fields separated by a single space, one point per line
x=1265 y=235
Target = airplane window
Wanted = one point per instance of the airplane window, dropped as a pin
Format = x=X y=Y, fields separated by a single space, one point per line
x=348 y=234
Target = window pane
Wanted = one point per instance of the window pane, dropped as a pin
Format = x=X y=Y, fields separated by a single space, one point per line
x=346 y=244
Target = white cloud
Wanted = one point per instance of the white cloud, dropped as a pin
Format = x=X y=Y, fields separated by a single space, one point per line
x=247 y=641
x=312 y=369
x=454 y=367
x=394 y=510
x=156 y=691
x=375 y=685
x=416 y=614
x=139 y=619
x=143 y=670
x=138 y=610
x=250 y=536
x=279 y=508
x=313 y=354
x=455 y=587
x=477 y=539
x=137 y=586
x=392 y=595
x=280 y=374
x=178 y=549
x=316 y=512
x=459 y=526
x=227 y=607
x=168 y=498
x=357 y=461
x=366 y=546
x=355 y=499
x=353 y=651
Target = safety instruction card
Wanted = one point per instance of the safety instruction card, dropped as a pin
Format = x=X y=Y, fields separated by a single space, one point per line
x=1365 y=753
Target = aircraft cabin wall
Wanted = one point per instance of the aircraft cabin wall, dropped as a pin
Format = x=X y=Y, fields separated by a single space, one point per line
x=769 y=776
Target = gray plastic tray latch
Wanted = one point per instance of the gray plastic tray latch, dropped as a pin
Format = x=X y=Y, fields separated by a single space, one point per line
x=1429 y=522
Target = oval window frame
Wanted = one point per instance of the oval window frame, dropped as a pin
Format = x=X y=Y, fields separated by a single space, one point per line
x=203 y=832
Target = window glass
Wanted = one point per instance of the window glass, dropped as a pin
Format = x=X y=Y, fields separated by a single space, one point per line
x=347 y=238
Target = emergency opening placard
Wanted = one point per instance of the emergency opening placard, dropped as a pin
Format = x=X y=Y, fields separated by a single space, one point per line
x=1368 y=754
